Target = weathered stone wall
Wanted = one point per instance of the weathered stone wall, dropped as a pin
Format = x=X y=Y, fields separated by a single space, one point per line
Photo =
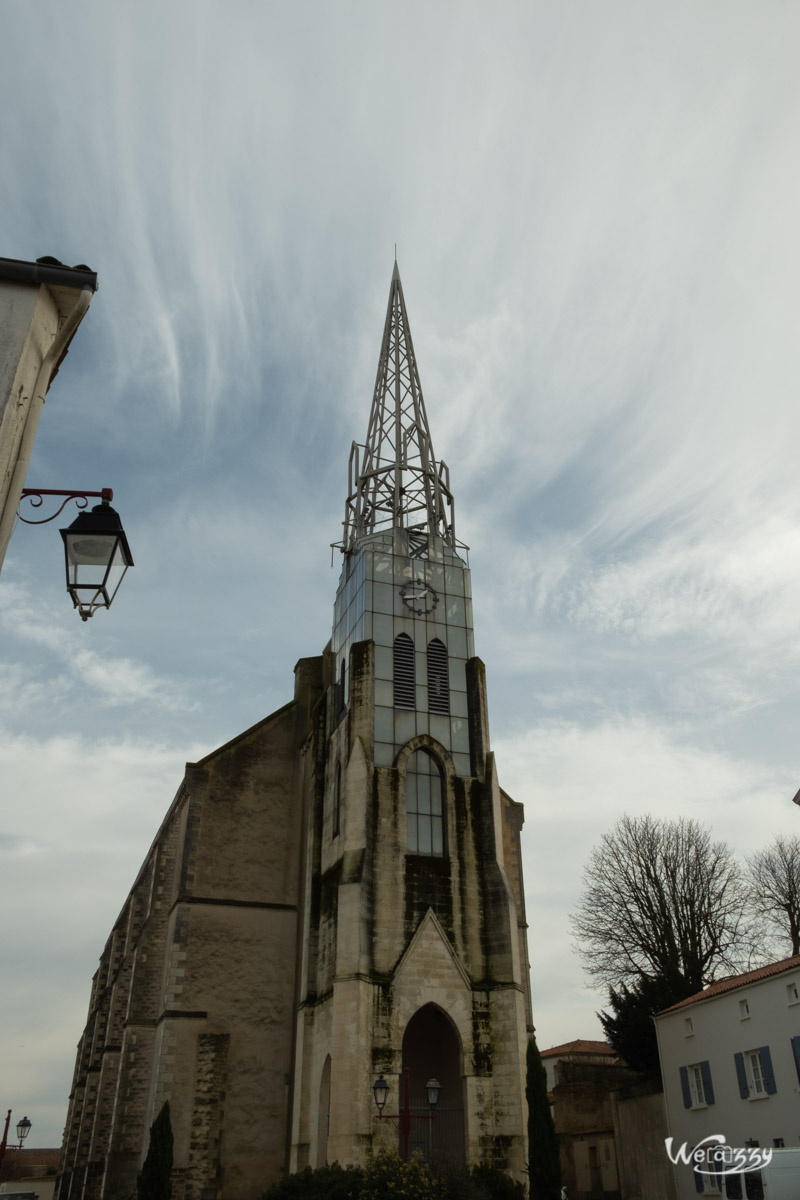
x=640 y=1127
x=214 y=992
x=386 y=934
x=193 y=1000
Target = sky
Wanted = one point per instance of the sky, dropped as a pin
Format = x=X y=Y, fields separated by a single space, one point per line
x=595 y=211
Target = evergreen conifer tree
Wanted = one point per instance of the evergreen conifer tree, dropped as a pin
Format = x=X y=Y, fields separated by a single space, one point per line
x=544 y=1167
x=154 y=1181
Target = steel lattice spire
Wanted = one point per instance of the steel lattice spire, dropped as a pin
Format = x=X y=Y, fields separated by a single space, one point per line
x=394 y=479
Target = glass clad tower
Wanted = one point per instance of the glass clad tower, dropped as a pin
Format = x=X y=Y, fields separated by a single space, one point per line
x=404 y=584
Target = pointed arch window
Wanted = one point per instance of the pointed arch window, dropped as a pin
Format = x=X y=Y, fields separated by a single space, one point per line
x=404 y=681
x=337 y=802
x=438 y=678
x=424 y=805
x=340 y=696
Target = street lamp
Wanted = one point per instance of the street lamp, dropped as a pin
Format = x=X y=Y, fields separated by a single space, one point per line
x=23 y=1129
x=380 y=1090
x=96 y=550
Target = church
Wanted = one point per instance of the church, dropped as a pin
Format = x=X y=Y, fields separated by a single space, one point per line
x=334 y=899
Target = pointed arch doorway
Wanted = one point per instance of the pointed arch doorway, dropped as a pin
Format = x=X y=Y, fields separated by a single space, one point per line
x=432 y=1047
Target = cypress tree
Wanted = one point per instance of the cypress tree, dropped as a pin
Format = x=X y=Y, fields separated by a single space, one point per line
x=544 y=1167
x=154 y=1181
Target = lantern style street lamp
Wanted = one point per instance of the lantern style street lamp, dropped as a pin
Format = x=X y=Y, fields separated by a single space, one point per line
x=23 y=1129
x=96 y=550
x=380 y=1090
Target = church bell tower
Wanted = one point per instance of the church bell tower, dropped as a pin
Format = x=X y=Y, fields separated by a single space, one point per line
x=412 y=937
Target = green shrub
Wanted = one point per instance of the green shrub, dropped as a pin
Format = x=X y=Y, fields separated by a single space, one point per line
x=496 y=1185
x=330 y=1182
x=387 y=1177
x=544 y=1166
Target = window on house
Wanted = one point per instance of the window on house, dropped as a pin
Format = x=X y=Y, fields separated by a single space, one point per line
x=754 y=1073
x=404 y=682
x=744 y=1010
x=425 y=819
x=778 y=1143
x=438 y=678
x=696 y=1085
x=706 y=1185
x=747 y=1184
x=733 y=1187
x=754 y=1186
x=688 y=1028
x=792 y=993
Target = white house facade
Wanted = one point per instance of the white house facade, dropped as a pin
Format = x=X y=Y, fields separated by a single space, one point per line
x=730 y=1061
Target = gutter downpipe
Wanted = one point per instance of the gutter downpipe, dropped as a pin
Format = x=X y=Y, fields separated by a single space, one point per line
x=62 y=338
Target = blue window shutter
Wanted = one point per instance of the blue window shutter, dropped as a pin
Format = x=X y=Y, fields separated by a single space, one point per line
x=766 y=1069
x=741 y=1075
x=796 y=1052
x=708 y=1089
x=699 y=1186
x=687 y=1095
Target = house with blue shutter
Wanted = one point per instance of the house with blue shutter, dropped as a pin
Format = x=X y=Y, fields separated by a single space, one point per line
x=730 y=1062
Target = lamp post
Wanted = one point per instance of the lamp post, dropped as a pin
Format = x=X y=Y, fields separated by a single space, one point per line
x=380 y=1090
x=23 y=1129
x=96 y=549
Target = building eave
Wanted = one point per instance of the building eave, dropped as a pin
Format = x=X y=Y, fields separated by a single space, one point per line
x=48 y=271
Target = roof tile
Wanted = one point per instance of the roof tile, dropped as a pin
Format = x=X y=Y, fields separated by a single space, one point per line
x=731 y=982
x=579 y=1046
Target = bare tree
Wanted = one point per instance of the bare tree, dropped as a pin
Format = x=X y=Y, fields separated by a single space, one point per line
x=775 y=889
x=662 y=901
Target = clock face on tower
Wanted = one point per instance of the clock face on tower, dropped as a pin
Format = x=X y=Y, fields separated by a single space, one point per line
x=419 y=596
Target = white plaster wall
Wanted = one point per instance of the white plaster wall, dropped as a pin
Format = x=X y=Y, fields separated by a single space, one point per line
x=718 y=1031
x=28 y=324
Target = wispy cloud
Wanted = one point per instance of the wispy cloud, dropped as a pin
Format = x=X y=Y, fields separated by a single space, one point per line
x=117 y=681
x=595 y=211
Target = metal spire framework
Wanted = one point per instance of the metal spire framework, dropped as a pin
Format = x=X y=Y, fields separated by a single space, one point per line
x=394 y=480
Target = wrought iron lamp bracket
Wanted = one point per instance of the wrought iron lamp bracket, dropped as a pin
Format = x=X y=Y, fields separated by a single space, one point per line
x=81 y=498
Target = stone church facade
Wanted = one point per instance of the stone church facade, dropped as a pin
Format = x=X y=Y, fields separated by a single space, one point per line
x=333 y=896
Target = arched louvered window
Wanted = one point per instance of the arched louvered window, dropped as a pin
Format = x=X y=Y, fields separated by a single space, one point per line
x=438 y=678
x=424 y=809
x=337 y=802
x=404 y=690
